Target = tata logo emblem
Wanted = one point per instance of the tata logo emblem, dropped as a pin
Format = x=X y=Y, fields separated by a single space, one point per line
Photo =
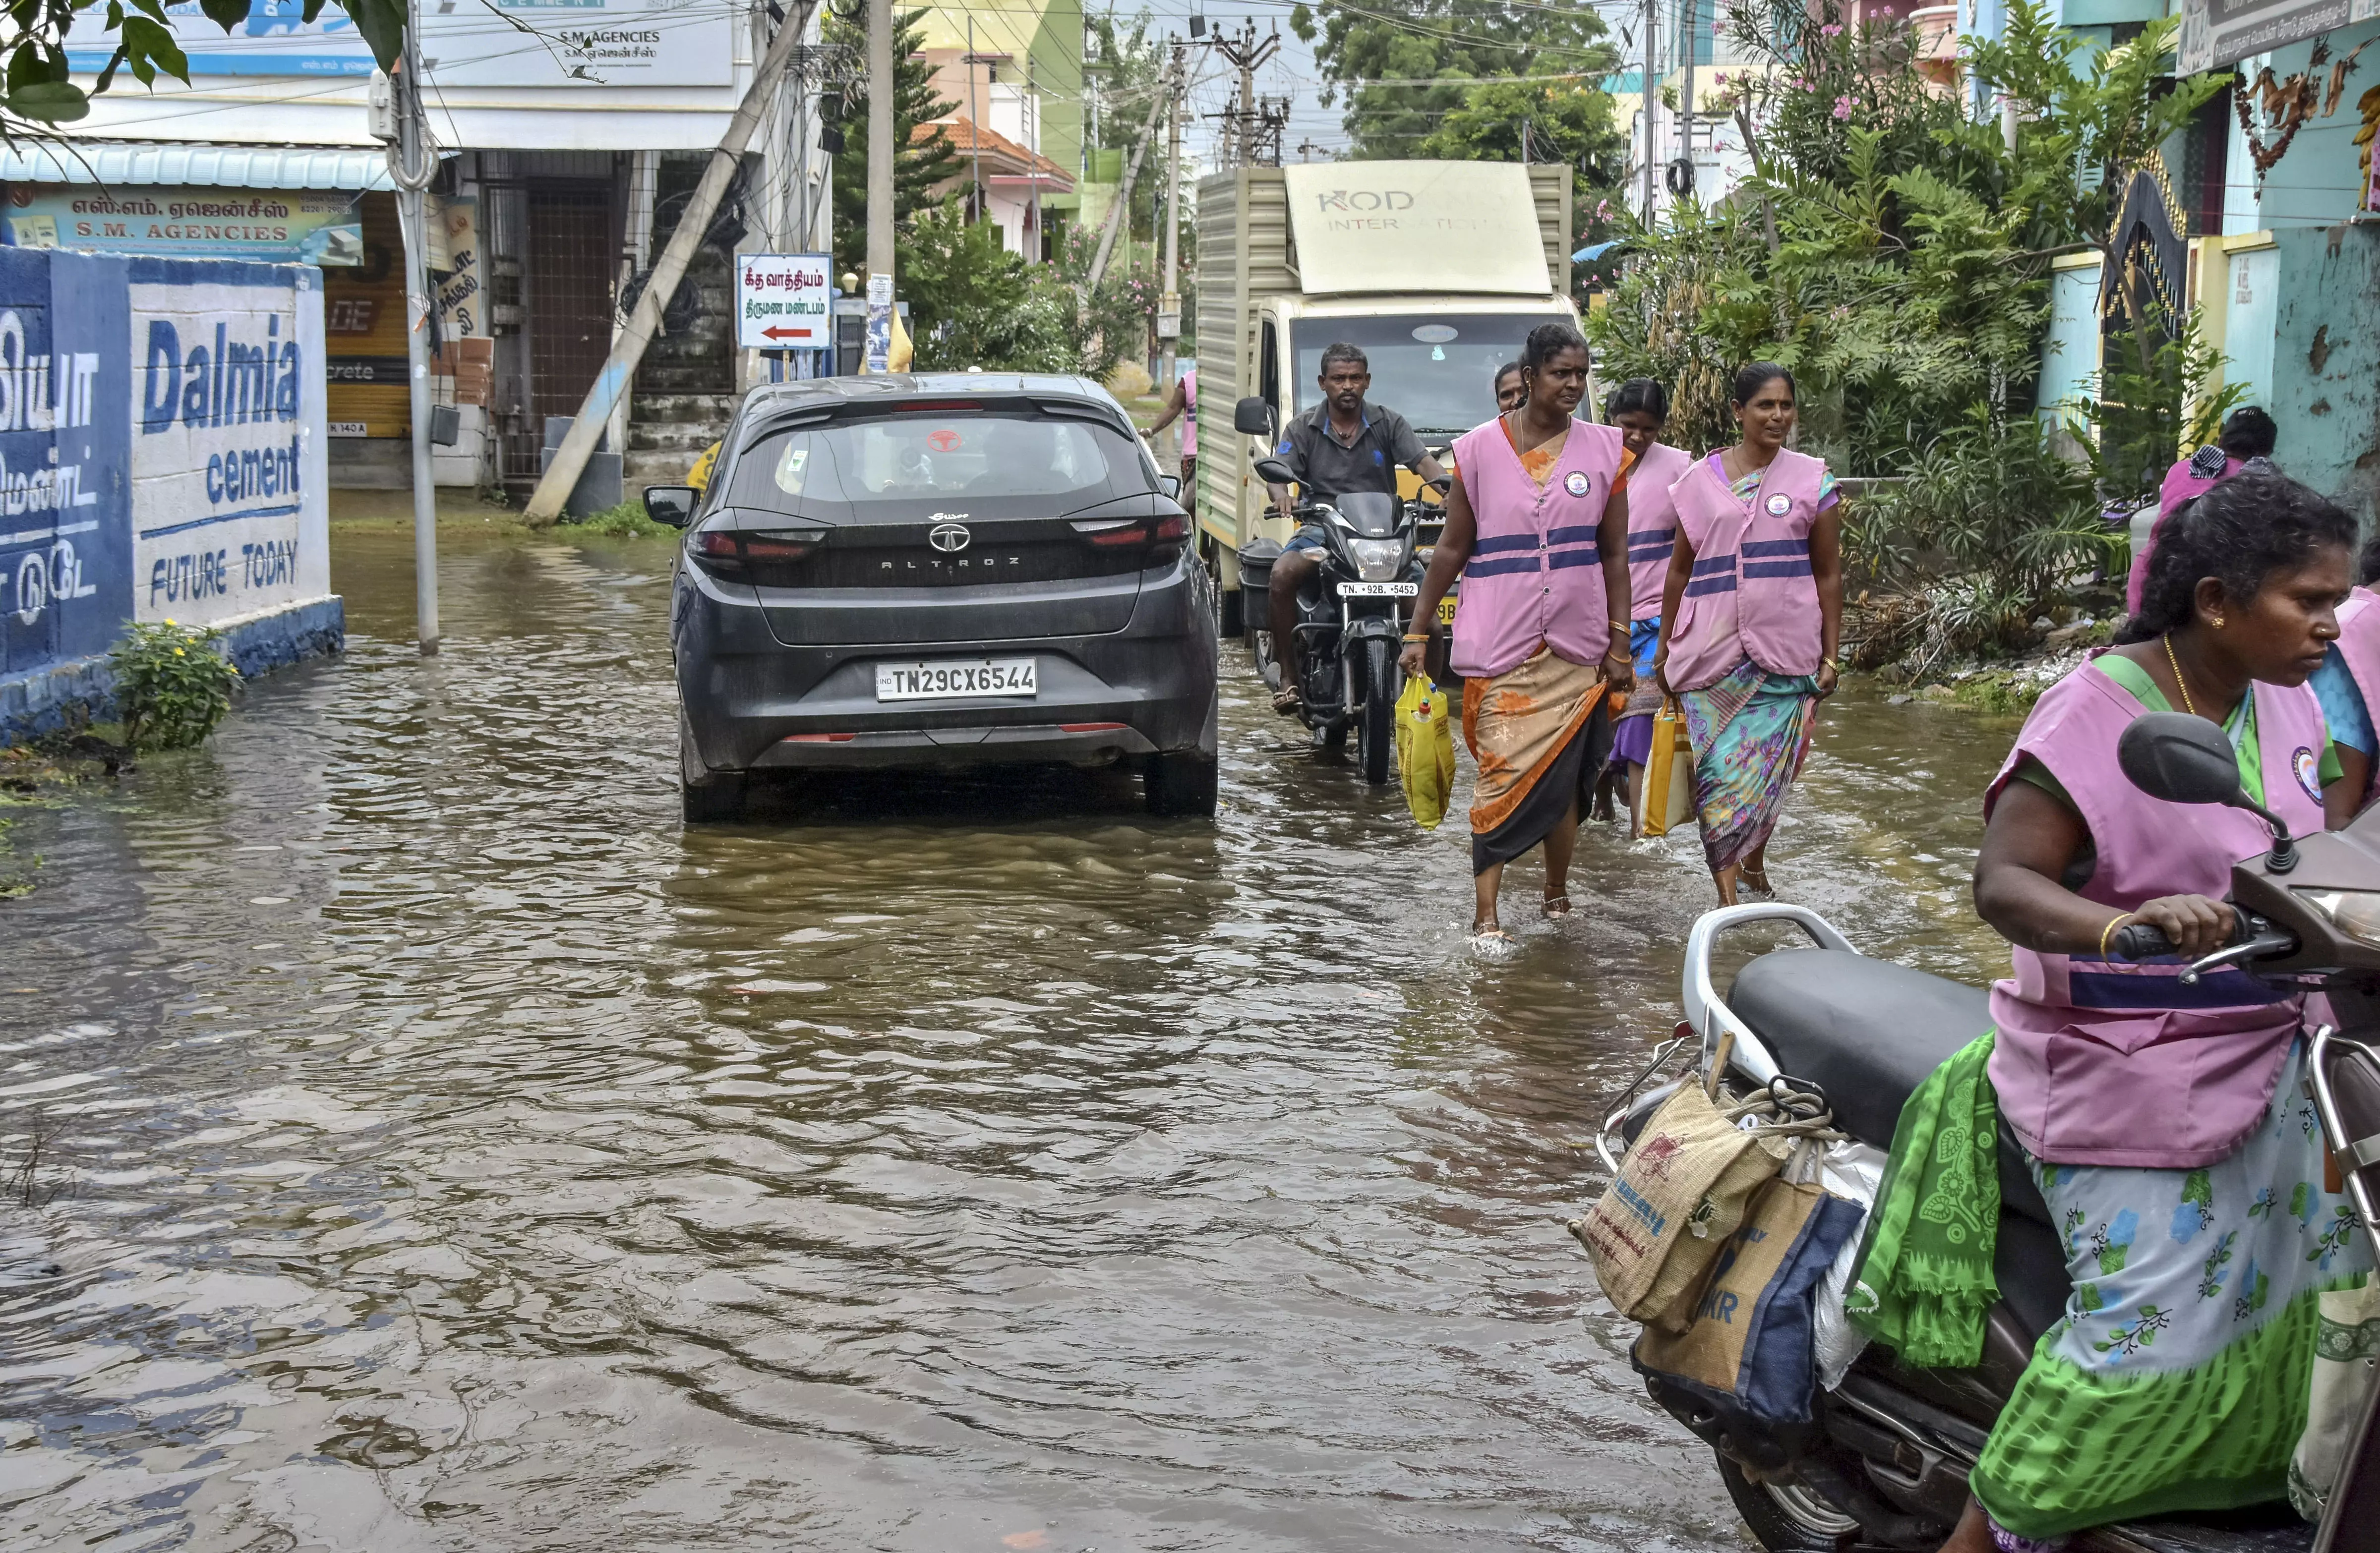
x=949 y=537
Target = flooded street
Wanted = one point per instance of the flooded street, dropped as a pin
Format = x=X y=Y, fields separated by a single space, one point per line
x=450 y=1151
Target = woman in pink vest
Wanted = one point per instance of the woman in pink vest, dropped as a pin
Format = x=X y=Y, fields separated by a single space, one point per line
x=2248 y=433
x=2164 y=1122
x=1640 y=407
x=1753 y=599
x=1541 y=628
x=2347 y=683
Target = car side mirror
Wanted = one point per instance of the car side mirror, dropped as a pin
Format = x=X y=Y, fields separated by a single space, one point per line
x=671 y=505
x=2181 y=759
x=2187 y=760
x=1272 y=472
x=1252 y=417
x=1170 y=485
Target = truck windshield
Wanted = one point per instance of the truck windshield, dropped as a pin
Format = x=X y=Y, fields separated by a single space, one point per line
x=1438 y=370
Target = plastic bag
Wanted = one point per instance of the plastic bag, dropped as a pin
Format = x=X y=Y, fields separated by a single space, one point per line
x=1854 y=1170
x=1669 y=773
x=1426 y=751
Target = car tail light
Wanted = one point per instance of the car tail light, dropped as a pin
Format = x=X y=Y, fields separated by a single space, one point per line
x=755 y=555
x=1115 y=533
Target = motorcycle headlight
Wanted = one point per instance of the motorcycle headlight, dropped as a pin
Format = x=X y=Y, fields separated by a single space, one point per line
x=2355 y=913
x=1377 y=560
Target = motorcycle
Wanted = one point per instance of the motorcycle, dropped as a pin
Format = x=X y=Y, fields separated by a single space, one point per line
x=1350 y=619
x=1883 y=1463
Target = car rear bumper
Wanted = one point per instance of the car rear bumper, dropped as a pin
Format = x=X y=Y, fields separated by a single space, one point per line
x=753 y=703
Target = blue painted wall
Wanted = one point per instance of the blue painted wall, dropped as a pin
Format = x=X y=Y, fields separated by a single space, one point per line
x=69 y=500
x=2325 y=388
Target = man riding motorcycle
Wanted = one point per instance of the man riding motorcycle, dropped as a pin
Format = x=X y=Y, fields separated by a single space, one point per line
x=1341 y=444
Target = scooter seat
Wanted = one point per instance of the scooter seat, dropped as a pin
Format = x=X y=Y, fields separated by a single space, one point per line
x=1867 y=1032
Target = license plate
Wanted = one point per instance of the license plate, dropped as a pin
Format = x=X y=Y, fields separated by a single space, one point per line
x=1379 y=589
x=1446 y=611
x=958 y=679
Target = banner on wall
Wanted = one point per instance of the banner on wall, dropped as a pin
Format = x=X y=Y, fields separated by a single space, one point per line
x=289 y=226
x=65 y=539
x=230 y=511
x=2217 y=32
x=275 y=40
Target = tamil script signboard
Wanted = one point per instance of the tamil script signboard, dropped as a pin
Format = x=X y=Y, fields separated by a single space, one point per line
x=464 y=42
x=230 y=516
x=784 y=302
x=66 y=543
x=2217 y=32
x=281 y=226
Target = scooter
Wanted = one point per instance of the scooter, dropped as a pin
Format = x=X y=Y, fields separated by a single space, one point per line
x=1884 y=1463
x=1351 y=620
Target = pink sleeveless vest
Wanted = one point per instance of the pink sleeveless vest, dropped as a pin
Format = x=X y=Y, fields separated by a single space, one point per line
x=1652 y=524
x=1752 y=594
x=1190 y=413
x=2359 y=644
x=1537 y=572
x=2113 y=1062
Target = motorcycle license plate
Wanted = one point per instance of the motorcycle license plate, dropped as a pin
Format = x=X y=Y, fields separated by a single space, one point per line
x=1379 y=589
x=1446 y=611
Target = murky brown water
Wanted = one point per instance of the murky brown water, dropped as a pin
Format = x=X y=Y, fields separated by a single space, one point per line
x=454 y=1153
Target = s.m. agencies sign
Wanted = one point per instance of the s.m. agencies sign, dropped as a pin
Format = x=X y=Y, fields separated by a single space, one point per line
x=229 y=513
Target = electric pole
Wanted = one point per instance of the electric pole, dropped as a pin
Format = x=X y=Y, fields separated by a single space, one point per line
x=1246 y=53
x=1689 y=42
x=1169 y=299
x=879 y=154
x=1652 y=96
x=413 y=162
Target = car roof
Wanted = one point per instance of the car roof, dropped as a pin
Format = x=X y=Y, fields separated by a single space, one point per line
x=891 y=387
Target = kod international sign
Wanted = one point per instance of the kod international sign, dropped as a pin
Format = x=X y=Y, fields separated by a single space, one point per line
x=784 y=302
x=230 y=511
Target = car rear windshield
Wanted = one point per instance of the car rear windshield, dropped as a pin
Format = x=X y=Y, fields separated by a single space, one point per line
x=1435 y=369
x=990 y=462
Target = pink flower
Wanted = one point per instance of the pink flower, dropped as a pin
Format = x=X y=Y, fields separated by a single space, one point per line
x=1842 y=107
x=1721 y=78
x=1831 y=29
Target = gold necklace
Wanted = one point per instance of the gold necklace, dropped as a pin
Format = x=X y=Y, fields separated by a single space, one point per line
x=2179 y=684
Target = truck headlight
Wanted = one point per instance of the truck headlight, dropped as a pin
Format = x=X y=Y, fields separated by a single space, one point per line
x=2355 y=913
x=1378 y=560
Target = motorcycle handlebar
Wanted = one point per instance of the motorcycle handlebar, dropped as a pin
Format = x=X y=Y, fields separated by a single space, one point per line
x=2140 y=940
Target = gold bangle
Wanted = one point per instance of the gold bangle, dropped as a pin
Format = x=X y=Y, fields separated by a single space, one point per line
x=1410 y=638
x=2110 y=931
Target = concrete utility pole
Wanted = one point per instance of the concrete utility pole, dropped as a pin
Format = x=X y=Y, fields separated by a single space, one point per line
x=1117 y=211
x=1247 y=54
x=1651 y=96
x=879 y=139
x=1168 y=297
x=412 y=163
x=1690 y=41
x=975 y=120
x=554 y=490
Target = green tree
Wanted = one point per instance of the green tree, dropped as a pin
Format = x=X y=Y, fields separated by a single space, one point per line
x=1562 y=121
x=36 y=93
x=1402 y=71
x=918 y=165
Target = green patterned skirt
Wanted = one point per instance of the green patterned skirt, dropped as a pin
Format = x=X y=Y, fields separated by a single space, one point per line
x=2177 y=1380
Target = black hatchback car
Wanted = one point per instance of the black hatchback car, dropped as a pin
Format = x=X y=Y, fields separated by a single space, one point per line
x=937 y=570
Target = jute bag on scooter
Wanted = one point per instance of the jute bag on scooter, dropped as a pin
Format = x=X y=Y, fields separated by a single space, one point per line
x=1682 y=1191
x=1752 y=1337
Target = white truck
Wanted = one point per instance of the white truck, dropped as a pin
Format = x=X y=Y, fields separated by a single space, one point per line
x=1436 y=270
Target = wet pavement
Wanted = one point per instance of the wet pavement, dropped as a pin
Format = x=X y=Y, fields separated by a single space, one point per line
x=441 y=1148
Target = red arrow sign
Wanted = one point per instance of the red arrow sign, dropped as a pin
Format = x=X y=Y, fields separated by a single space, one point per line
x=778 y=331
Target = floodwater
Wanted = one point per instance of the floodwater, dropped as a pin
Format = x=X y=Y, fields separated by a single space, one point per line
x=441 y=1148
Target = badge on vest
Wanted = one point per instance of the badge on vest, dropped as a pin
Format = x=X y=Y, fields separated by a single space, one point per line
x=1779 y=504
x=2309 y=772
x=1577 y=484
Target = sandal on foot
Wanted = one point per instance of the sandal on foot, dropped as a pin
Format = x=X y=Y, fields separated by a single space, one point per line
x=1286 y=703
x=1494 y=943
x=1757 y=882
x=1558 y=905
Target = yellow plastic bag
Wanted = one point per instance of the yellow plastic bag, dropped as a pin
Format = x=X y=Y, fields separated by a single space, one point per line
x=1425 y=749
x=1669 y=773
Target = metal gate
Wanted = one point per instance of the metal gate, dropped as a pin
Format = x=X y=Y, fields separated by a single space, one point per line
x=566 y=298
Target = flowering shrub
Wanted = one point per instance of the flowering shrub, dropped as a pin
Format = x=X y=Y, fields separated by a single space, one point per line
x=172 y=684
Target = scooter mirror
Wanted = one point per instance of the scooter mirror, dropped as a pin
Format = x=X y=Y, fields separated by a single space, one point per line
x=2181 y=759
x=1272 y=472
